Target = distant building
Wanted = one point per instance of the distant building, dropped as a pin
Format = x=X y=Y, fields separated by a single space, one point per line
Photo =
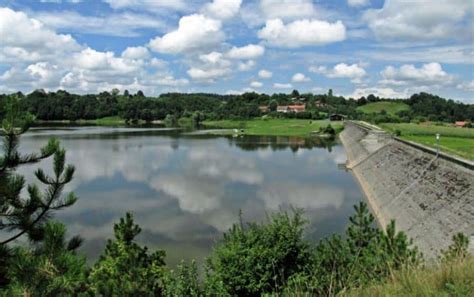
x=319 y=103
x=264 y=108
x=291 y=108
x=460 y=124
x=337 y=117
x=297 y=108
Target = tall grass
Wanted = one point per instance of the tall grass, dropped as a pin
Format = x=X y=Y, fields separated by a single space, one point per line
x=454 y=278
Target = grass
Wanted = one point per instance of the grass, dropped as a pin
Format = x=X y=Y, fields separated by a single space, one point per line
x=107 y=121
x=449 y=279
x=453 y=140
x=389 y=107
x=275 y=127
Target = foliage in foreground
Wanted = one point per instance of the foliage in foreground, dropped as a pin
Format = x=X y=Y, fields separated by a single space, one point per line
x=256 y=259
x=29 y=215
x=125 y=268
x=452 y=277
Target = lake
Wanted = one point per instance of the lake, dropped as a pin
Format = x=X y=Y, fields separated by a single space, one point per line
x=185 y=189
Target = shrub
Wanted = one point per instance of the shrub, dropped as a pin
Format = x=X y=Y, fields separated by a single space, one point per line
x=260 y=257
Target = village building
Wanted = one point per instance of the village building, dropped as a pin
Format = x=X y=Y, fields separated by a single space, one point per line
x=337 y=117
x=460 y=124
x=282 y=108
x=296 y=108
x=319 y=103
x=264 y=108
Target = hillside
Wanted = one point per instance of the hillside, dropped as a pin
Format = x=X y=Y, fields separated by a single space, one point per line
x=389 y=107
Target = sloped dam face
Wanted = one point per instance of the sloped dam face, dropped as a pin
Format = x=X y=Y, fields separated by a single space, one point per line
x=430 y=198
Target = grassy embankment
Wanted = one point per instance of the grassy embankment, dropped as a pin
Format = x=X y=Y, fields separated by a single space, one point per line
x=453 y=140
x=449 y=279
x=275 y=127
x=390 y=107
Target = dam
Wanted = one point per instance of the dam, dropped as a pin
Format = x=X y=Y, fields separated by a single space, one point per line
x=430 y=196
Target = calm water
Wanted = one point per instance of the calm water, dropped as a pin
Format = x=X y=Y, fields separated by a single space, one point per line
x=185 y=190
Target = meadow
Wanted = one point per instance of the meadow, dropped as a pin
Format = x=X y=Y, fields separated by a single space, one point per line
x=453 y=140
x=275 y=127
x=390 y=107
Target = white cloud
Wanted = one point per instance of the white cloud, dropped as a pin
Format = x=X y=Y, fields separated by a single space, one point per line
x=357 y=3
x=452 y=54
x=207 y=75
x=233 y=92
x=355 y=72
x=169 y=80
x=302 y=33
x=157 y=63
x=379 y=92
x=265 y=74
x=466 y=86
x=153 y=5
x=215 y=59
x=40 y=58
x=250 y=51
x=256 y=84
x=195 y=33
x=299 y=78
x=287 y=8
x=282 y=86
x=309 y=197
x=246 y=66
x=222 y=9
x=135 y=52
x=420 y=20
x=427 y=74
x=30 y=40
x=115 y=24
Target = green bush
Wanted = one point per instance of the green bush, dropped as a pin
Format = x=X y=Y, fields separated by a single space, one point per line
x=364 y=255
x=261 y=257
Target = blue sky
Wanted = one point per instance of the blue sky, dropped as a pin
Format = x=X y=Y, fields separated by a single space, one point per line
x=391 y=48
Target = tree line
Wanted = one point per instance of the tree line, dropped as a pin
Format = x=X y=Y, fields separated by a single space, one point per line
x=251 y=259
x=61 y=105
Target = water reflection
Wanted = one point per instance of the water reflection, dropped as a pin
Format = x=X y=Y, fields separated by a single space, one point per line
x=185 y=190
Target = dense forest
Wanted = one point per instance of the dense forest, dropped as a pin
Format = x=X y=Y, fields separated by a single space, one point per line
x=62 y=105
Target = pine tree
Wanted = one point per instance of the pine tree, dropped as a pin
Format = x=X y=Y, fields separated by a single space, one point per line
x=125 y=268
x=49 y=267
x=21 y=215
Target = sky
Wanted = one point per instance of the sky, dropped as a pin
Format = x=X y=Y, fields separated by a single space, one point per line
x=390 y=48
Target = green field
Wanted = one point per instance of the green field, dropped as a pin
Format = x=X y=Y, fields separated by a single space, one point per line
x=275 y=127
x=453 y=140
x=389 y=107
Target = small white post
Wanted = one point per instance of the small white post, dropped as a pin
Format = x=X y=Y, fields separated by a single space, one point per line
x=437 y=145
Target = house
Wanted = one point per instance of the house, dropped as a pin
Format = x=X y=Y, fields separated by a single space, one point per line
x=460 y=124
x=291 y=108
x=297 y=108
x=336 y=117
x=264 y=108
x=319 y=103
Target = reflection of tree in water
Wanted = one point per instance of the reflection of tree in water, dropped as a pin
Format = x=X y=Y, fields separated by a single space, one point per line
x=275 y=143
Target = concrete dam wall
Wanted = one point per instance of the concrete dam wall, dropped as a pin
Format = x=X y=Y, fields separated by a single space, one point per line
x=430 y=198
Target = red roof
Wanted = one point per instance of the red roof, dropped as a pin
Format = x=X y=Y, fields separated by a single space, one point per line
x=297 y=107
x=460 y=123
